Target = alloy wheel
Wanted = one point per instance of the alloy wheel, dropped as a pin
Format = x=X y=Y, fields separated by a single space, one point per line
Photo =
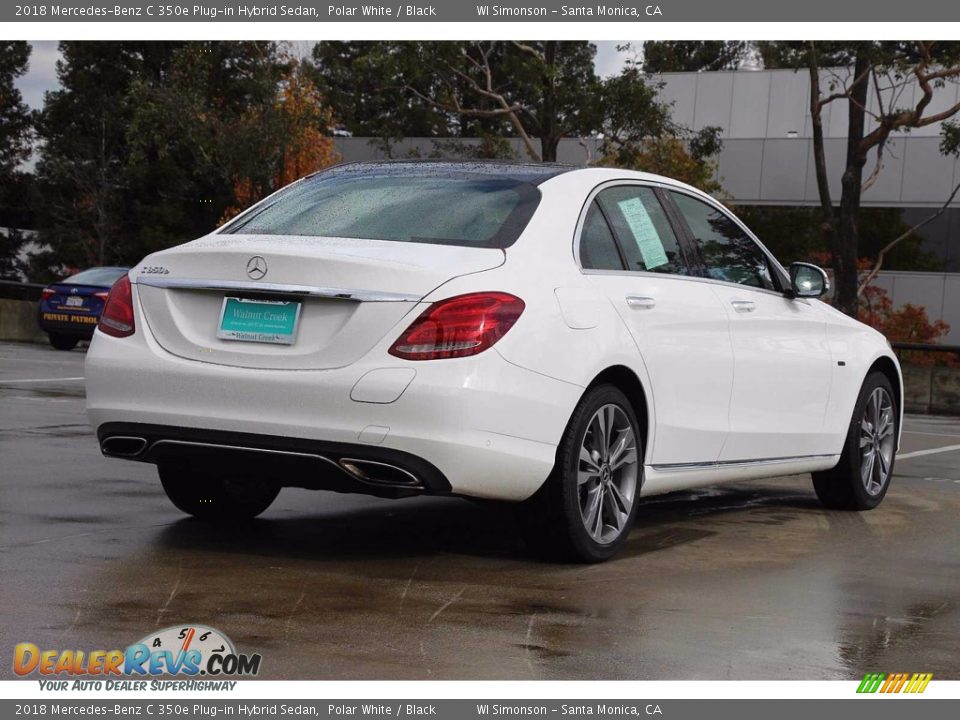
x=876 y=441
x=607 y=473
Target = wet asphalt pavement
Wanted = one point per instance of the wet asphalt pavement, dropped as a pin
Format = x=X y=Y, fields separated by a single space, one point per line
x=748 y=581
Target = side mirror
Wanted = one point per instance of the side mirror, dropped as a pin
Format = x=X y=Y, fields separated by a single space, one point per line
x=807 y=280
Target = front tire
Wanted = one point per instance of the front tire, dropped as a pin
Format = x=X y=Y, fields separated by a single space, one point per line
x=586 y=509
x=208 y=496
x=861 y=478
x=63 y=342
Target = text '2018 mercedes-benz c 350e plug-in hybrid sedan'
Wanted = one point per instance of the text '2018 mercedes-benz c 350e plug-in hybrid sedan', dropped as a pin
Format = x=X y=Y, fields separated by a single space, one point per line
x=569 y=339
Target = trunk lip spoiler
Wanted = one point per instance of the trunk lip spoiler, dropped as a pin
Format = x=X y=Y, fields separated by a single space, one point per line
x=334 y=293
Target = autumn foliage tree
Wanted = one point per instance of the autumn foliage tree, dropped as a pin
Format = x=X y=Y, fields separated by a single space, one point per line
x=888 y=88
x=302 y=145
x=907 y=323
x=150 y=144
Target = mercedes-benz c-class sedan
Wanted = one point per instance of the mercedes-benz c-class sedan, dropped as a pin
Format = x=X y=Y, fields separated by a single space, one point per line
x=572 y=340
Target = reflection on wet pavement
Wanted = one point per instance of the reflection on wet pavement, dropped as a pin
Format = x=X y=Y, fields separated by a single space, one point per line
x=746 y=581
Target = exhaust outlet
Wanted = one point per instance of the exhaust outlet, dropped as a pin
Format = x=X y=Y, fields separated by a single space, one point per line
x=123 y=446
x=378 y=473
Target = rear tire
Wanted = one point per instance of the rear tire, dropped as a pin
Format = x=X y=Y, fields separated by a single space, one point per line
x=861 y=479
x=586 y=509
x=63 y=342
x=209 y=496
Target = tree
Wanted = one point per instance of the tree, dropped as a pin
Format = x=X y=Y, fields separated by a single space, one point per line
x=82 y=169
x=15 y=120
x=537 y=91
x=302 y=119
x=908 y=323
x=949 y=146
x=367 y=83
x=15 y=135
x=694 y=55
x=147 y=145
x=210 y=119
x=639 y=132
x=883 y=71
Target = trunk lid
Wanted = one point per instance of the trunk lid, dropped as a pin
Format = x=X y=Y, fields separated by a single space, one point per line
x=351 y=293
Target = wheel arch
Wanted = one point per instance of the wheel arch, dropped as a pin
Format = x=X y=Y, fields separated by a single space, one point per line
x=888 y=367
x=626 y=381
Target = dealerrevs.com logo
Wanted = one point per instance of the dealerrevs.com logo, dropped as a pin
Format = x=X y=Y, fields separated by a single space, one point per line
x=894 y=683
x=190 y=651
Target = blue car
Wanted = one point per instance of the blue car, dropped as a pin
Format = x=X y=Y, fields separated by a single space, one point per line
x=70 y=309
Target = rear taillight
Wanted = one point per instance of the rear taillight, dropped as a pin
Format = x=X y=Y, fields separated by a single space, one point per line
x=102 y=296
x=459 y=326
x=117 y=316
x=47 y=293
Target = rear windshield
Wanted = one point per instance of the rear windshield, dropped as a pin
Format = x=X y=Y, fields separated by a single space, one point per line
x=100 y=276
x=446 y=209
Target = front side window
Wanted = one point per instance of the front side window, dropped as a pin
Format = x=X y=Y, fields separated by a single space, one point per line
x=728 y=253
x=641 y=225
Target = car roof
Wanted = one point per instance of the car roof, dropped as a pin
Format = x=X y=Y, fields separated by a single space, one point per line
x=529 y=172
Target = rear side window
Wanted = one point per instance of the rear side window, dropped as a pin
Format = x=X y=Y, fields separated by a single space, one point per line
x=641 y=225
x=598 y=249
x=729 y=254
x=480 y=210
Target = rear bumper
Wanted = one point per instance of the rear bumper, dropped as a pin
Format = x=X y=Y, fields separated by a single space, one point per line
x=478 y=427
x=291 y=462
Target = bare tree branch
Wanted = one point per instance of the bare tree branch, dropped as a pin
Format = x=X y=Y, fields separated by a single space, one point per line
x=875 y=270
x=528 y=49
x=875 y=173
x=505 y=109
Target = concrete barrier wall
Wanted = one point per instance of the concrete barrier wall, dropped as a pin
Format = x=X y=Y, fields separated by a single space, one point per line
x=18 y=321
x=931 y=390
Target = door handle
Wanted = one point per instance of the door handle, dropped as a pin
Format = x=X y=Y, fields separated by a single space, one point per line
x=743 y=306
x=640 y=302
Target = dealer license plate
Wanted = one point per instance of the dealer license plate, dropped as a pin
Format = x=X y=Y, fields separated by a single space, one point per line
x=260 y=321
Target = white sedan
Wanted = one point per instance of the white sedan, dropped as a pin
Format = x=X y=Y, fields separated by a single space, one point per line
x=572 y=339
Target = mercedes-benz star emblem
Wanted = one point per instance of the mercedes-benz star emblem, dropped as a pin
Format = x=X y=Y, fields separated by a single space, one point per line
x=256 y=267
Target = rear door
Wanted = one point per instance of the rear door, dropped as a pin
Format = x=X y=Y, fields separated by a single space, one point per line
x=629 y=251
x=782 y=362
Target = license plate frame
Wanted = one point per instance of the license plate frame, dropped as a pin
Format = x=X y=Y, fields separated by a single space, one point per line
x=254 y=327
x=74 y=301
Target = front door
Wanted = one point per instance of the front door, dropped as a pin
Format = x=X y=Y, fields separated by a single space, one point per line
x=782 y=374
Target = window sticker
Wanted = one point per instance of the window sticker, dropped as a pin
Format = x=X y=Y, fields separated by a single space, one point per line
x=644 y=233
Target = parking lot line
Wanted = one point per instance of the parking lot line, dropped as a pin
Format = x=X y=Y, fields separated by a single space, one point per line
x=39 y=380
x=931 y=434
x=930 y=451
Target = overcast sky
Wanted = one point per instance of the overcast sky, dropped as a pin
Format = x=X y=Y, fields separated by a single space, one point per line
x=42 y=73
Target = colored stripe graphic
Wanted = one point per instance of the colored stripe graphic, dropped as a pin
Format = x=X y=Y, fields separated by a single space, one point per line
x=894 y=683
x=871 y=682
x=918 y=683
